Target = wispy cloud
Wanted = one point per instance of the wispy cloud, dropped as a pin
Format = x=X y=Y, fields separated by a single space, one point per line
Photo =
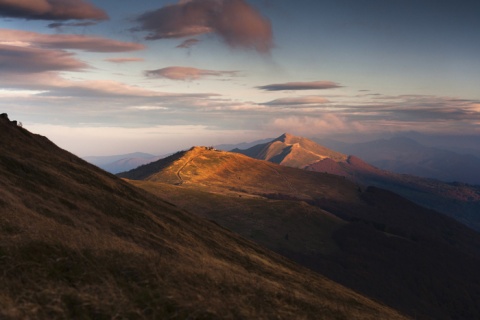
x=61 y=25
x=17 y=59
x=186 y=73
x=237 y=23
x=51 y=84
x=124 y=60
x=187 y=44
x=298 y=101
x=312 y=125
x=51 y=10
x=67 y=41
x=314 y=85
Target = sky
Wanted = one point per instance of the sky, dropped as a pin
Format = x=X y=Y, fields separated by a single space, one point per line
x=119 y=76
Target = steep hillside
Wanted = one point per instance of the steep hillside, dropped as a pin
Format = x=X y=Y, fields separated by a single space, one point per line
x=291 y=151
x=79 y=243
x=369 y=239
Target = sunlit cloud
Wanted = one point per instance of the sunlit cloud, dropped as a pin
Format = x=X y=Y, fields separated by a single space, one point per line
x=236 y=22
x=186 y=73
x=312 y=125
x=314 y=85
x=51 y=10
x=67 y=41
x=52 y=84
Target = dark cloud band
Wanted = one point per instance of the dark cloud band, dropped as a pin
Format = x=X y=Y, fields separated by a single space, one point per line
x=315 y=85
x=51 y=10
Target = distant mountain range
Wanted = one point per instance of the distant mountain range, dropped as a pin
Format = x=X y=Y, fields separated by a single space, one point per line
x=124 y=162
x=459 y=201
x=79 y=243
x=243 y=145
x=405 y=155
x=368 y=239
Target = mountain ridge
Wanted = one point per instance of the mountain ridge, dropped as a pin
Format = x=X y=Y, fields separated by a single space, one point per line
x=366 y=238
x=405 y=155
x=292 y=151
x=78 y=242
x=459 y=201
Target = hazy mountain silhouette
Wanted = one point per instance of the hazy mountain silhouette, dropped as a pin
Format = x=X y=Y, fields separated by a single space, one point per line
x=459 y=201
x=405 y=155
x=124 y=162
x=368 y=239
x=242 y=145
x=79 y=243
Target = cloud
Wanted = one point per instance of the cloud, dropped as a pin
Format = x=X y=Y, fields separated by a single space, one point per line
x=237 y=23
x=187 y=44
x=314 y=85
x=310 y=100
x=124 y=60
x=186 y=73
x=17 y=59
x=67 y=41
x=51 y=10
x=60 y=25
x=308 y=125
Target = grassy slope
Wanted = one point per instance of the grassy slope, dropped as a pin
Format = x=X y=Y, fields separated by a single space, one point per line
x=76 y=242
x=404 y=255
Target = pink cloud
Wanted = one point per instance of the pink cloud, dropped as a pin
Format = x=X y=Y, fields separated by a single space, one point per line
x=186 y=73
x=314 y=85
x=234 y=21
x=51 y=10
x=54 y=85
x=124 y=60
x=17 y=59
x=308 y=125
x=67 y=41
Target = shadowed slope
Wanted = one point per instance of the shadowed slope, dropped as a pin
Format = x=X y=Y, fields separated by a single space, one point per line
x=370 y=239
x=405 y=155
x=78 y=243
x=456 y=200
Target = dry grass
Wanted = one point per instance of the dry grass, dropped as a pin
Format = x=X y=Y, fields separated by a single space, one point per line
x=386 y=247
x=76 y=242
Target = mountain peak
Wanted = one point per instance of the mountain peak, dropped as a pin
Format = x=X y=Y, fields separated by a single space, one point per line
x=292 y=151
x=288 y=138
